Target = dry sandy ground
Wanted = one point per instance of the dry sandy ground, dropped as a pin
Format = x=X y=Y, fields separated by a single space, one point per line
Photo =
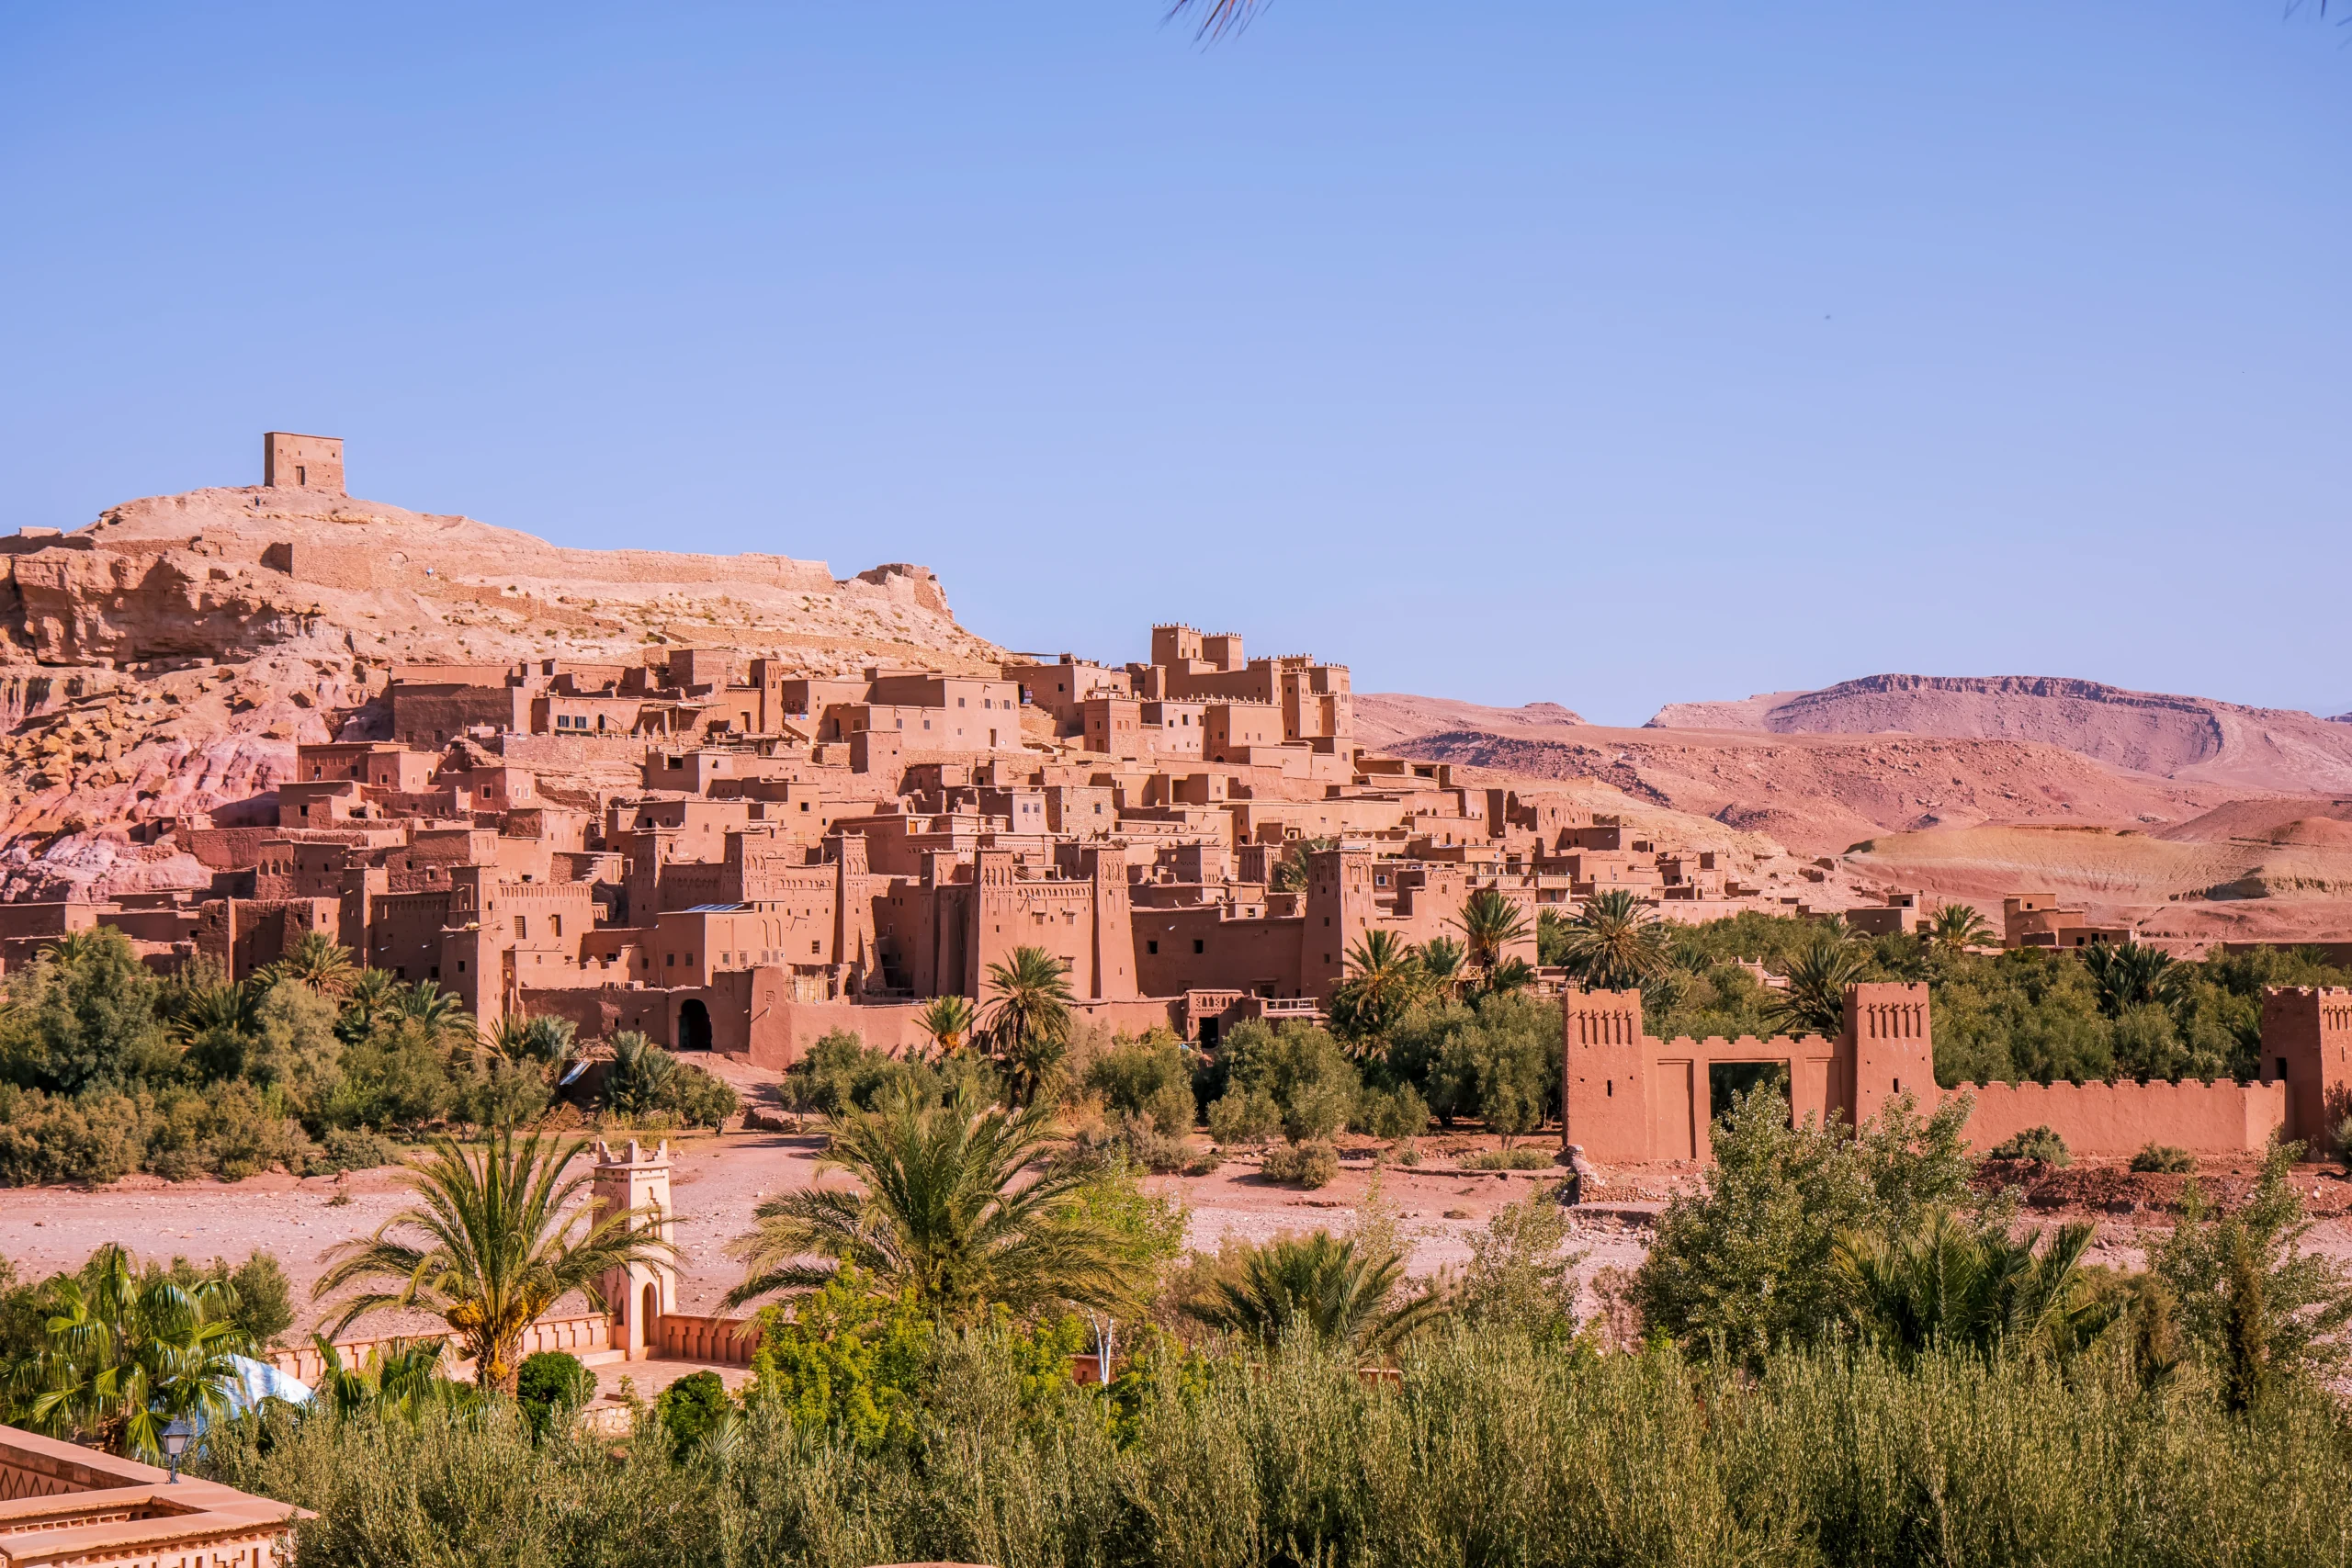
x=719 y=1181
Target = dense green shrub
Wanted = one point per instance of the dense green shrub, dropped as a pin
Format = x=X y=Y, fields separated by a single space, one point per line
x=1522 y=1274
x=550 y=1386
x=96 y=1137
x=261 y=1297
x=701 y=1097
x=1244 y=1116
x=1138 y=1138
x=691 y=1408
x=396 y=1076
x=1299 y=1067
x=1510 y=1159
x=2163 y=1159
x=499 y=1093
x=1491 y=1448
x=1146 y=1077
x=2251 y=1306
x=1746 y=1264
x=1398 y=1112
x=1313 y=1163
x=1497 y=1059
x=848 y=1360
x=2041 y=1144
x=839 y=1071
x=356 y=1148
x=83 y=1014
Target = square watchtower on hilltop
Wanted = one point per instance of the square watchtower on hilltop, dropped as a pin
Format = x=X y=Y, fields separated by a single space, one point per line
x=301 y=462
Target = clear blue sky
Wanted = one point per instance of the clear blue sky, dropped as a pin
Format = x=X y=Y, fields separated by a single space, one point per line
x=1502 y=349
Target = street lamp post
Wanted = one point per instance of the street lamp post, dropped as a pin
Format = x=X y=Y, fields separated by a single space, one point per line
x=177 y=1438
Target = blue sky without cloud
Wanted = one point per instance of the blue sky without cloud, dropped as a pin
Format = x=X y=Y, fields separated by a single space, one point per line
x=1511 y=350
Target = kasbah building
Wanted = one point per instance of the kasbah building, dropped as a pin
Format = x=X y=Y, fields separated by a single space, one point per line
x=733 y=858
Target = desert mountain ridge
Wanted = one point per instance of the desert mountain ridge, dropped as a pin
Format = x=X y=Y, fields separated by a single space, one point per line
x=2192 y=817
x=2184 y=737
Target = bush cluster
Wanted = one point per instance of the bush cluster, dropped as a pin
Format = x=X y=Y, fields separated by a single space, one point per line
x=106 y=1069
x=840 y=1072
x=2041 y=1144
x=261 y=1310
x=2033 y=1014
x=1489 y=1447
x=1313 y=1163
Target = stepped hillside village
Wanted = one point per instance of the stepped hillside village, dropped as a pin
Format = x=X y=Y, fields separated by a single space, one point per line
x=736 y=1042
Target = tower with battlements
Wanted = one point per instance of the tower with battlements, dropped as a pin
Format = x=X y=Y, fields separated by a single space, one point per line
x=633 y=1181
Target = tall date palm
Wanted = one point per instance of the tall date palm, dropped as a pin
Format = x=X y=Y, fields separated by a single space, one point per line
x=1490 y=922
x=942 y=1210
x=1027 y=1017
x=495 y=1240
x=1614 y=943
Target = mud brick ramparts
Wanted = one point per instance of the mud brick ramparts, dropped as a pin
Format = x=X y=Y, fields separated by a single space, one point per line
x=1631 y=1096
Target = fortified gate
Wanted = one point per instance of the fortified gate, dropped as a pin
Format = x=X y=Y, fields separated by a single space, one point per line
x=1629 y=1096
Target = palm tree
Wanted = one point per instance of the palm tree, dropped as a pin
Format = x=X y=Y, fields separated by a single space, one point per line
x=1815 y=999
x=79 y=947
x=1441 y=959
x=216 y=1007
x=317 y=961
x=635 y=1076
x=441 y=1015
x=494 y=1242
x=943 y=1214
x=1219 y=17
x=1947 y=1282
x=371 y=995
x=553 y=1042
x=1510 y=975
x=948 y=1022
x=1958 y=927
x=1490 y=922
x=2127 y=975
x=125 y=1353
x=402 y=1377
x=1614 y=943
x=541 y=1040
x=1292 y=872
x=1384 y=979
x=1340 y=1294
x=1027 y=1017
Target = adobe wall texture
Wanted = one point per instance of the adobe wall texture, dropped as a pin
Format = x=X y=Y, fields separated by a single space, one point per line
x=2118 y=1119
x=305 y=462
x=1632 y=1097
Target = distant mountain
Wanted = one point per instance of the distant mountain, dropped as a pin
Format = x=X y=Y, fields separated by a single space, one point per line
x=1385 y=720
x=2185 y=737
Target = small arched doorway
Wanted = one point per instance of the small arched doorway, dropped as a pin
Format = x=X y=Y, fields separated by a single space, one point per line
x=694 y=1026
x=648 y=1322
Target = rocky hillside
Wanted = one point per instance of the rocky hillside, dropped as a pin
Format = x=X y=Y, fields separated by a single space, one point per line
x=168 y=657
x=2189 y=739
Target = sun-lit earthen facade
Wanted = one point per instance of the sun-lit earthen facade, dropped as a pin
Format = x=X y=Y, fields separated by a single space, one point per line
x=1631 y=1096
